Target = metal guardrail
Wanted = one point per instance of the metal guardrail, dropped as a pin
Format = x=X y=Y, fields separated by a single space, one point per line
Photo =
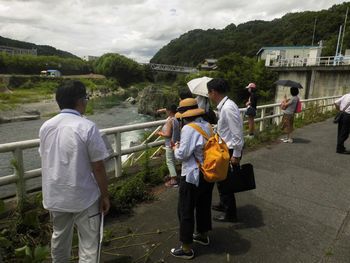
x=20 y=176
x=306 y=62
x=172 y=68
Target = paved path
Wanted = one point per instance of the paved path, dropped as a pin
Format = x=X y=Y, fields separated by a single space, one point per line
x=298 y=213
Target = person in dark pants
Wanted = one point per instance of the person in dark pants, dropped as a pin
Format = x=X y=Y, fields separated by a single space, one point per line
x=230 y=129
x=195 y=194
x=343 y=104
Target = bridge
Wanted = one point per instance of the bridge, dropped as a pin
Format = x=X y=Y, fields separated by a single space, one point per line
x=298 y=213
x=171 y=68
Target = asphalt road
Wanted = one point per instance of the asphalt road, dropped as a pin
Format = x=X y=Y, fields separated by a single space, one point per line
x=298 y=213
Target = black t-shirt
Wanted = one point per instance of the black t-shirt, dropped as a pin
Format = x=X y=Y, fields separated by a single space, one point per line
x=253 y=100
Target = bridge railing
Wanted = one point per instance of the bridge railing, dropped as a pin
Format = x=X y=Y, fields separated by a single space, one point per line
x=172 y=68
x=318 y=61
x=265 y=113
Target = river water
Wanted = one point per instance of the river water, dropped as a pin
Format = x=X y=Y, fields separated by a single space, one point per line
x=123 y=114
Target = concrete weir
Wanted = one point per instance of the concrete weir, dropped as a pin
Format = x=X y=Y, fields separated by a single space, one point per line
x=318 y=81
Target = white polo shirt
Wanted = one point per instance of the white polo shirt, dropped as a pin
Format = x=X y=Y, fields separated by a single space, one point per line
x=230 y=126
x=344 y=102
x=68 y=145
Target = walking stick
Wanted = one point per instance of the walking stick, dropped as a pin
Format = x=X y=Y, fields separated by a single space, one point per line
x=101 y=238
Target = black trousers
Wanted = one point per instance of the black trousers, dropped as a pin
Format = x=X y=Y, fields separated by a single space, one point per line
x=227 y=196
x=194 y=203
x=343 y=131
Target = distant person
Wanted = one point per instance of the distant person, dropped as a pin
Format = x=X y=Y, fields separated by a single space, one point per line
x=183 y=93
x=171 y=133
x=289 y=107
x=204 y=103
x=74 y=181
x=251 y=109
x=230 y=129
x=195 y=193
x=343 y=104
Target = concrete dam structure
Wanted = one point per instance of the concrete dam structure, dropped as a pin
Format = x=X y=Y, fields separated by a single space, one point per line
x=318 y=81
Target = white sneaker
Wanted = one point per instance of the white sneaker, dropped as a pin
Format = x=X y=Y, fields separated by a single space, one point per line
x=288 y=140
x=283 y=139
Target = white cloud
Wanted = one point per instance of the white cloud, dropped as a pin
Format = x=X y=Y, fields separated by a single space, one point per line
x=134 y=28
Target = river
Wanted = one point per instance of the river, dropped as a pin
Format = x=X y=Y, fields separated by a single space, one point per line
x=122 y=114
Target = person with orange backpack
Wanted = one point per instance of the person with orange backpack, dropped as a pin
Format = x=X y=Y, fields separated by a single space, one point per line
x=230 y=129
x=195 y=193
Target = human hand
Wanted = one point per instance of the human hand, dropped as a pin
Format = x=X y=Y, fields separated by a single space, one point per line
x=105 y=205
x=235 y=160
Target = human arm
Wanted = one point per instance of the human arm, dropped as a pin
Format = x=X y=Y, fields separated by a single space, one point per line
x=232 y=125
x=168 y=131
x=188 y=141
x=99 y=171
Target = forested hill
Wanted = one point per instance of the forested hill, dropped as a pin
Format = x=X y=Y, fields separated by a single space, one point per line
x=42 y=50
x=246 y=39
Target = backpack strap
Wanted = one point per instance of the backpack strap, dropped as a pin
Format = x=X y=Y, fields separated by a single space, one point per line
x=200 y=130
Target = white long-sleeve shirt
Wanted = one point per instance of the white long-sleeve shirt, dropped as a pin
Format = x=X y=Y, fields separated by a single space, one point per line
x=344 y=103
x=230 y=126
x=191 y=148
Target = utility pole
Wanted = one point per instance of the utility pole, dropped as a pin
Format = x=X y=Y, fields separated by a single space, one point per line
x=342 y=39
x=313 y=35
x=337 y=50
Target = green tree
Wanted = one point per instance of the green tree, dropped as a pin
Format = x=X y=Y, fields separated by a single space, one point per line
x=125 y=70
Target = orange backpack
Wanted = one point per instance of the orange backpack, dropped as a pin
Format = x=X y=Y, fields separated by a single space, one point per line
x=216 y=156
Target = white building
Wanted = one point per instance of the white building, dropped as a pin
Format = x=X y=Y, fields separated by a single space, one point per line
x=90 y=58
x=290 y=55
x=18 y=51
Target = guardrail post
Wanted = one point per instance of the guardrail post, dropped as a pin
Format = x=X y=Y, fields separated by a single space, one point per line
x=17 y=164
x=278 y=119
x=262 y=122
x=118 y=151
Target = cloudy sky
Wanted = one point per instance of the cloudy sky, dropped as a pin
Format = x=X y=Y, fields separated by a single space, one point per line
x=134 y=28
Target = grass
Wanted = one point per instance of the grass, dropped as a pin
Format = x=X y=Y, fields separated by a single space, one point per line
x=27 y=93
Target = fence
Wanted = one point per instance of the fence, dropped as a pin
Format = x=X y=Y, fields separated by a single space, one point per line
x=266 y=113
x=317 y=61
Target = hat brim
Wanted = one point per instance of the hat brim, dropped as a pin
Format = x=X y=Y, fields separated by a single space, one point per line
x=190 y=113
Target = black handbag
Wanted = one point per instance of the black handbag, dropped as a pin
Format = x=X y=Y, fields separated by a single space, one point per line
x=338 y=117
x=243 y=178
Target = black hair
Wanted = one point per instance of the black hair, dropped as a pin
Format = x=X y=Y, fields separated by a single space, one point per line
x=220 y=85
x=294 y=91
x=68 y=94
x=172 y=108
x=185 y=93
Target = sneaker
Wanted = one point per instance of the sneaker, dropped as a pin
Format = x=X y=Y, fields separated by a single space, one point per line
x=288 y=140
x=249 y=136
x=283 y=139
x=180 y=253
x=203 y=240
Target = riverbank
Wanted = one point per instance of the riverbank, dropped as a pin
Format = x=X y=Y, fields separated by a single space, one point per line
x=42 y=108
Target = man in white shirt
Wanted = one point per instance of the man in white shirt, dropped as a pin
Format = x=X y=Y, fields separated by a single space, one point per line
x=230 y=129
x=74 y=182
x=343 y=104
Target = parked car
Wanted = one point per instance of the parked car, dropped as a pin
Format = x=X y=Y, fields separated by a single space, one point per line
x=51 y=73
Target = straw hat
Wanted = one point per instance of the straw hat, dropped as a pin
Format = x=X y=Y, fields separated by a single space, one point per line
x=188 y=108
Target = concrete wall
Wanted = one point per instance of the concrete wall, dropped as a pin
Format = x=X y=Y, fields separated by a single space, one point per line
x=317 y=81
